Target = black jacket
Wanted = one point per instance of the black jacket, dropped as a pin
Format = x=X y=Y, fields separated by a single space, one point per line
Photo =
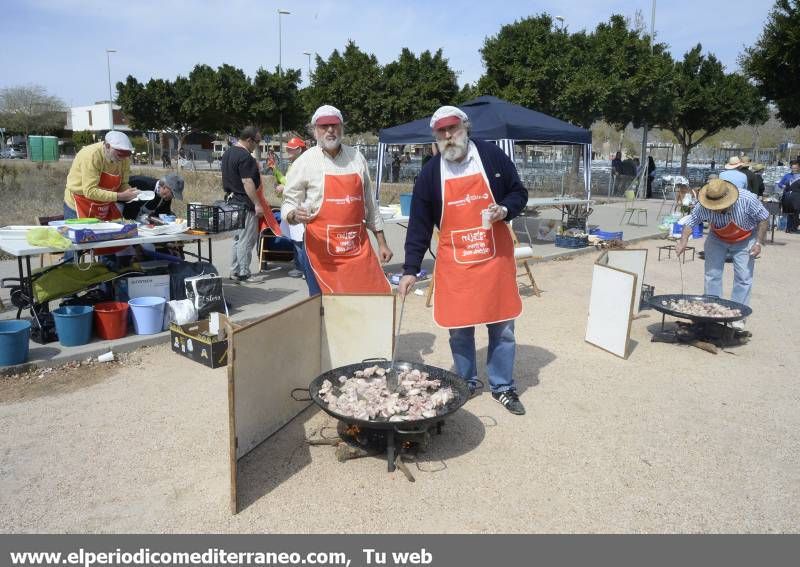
x=156 y=206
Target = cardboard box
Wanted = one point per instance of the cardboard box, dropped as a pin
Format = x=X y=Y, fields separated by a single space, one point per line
x=190 y=341
x=148 y=286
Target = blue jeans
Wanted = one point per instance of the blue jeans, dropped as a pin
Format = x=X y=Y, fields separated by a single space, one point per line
x=499 y=355
x=743 y=265
x=69 y=213
x=301 y=261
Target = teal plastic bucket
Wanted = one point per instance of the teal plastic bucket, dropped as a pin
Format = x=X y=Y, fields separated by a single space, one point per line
x=147 y=314
x=405 y=204
x=73 y=324
x=14 y=337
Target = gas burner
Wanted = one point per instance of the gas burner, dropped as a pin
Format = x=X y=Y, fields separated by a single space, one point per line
x=706 y=336
x=357 y=441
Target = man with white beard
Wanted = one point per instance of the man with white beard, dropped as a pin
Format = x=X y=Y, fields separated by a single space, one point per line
x=328 y=189
x=467 y=191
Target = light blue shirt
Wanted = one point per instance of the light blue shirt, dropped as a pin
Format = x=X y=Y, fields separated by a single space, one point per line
x=736 y=177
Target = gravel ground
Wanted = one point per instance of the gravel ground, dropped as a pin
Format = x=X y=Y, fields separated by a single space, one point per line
x=674 y=439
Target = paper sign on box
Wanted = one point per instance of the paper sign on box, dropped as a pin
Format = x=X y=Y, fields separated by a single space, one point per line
x=149 y=286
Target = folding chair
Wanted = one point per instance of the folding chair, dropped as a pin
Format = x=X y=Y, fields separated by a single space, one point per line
x=631 y=209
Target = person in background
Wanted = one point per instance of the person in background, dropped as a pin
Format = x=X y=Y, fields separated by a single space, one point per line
x=241 y=181
x=295 y=148
x=168 y=187
x=616 y=171
x=469 y=191
x=789 y=186
x=757 y=168
x=738 y=226
x=165 y=161
x=651 y=175
x=328 y=189
x=713 y=164
x=733 y=174
x=751 y=177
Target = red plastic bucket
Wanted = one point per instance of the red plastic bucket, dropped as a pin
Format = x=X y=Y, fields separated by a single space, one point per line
x=111 y=319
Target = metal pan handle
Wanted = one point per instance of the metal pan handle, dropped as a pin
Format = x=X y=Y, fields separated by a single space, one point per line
x=306 y=390
x=377 y=359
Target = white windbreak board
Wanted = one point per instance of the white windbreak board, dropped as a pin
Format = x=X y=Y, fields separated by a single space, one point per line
x=611 y=309
x=356 y=327
x=631 y=260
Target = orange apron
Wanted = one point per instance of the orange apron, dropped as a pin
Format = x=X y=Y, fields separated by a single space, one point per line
x=475 y=270
x=731 y=233
x=337 y=243
x=105 y=211
x=268 y=220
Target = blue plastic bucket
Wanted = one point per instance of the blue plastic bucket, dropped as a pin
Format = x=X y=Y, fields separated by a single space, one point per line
x=697 y=231
x=73 y=324
x=405 y=204
x=147 y=314
x=14 y=337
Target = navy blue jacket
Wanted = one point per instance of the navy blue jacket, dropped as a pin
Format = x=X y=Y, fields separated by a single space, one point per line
x=426 y=202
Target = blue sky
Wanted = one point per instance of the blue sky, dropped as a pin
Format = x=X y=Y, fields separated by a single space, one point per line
x=61 y=44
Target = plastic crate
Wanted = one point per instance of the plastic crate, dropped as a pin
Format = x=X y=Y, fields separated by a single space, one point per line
x=603 y=235
x=571 y=241
x=215 y=218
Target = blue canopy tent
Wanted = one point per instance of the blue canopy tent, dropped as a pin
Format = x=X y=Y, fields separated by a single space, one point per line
x=500 y=122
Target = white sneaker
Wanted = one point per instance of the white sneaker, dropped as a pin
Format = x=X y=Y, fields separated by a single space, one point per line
x=738 y=325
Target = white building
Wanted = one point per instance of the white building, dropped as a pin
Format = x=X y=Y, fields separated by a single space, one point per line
x=95 y=118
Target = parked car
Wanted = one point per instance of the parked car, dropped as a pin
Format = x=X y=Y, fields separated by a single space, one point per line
x=11 y=153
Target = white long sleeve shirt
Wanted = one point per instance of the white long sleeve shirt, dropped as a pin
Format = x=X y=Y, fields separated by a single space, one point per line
x=304 y=181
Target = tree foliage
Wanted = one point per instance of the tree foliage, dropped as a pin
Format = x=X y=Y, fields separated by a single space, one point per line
x=353 y=82
x=221 y=100
x=775 y=58
x=580 y=77
x=705 y=99
x=28 y=109
x=417 y=86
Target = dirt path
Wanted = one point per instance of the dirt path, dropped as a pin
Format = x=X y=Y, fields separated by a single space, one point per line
x=674 y=439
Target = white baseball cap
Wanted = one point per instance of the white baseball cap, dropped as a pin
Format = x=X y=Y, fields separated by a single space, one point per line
x=119 y=141
x=446 y=116
x=326 y=114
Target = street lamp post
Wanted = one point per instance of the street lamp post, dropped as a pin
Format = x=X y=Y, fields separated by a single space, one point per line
x=308 y=54
x=645 y=160
x=110 y=103
x=280 y=79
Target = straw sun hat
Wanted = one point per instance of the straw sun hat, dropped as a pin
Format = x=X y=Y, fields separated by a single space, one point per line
x=718 y=194
x=733 y=163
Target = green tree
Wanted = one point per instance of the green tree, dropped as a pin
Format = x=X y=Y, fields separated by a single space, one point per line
x=28 y=109
x=352 y=82
x=82 y=138
x=774 y=60
x=417 y=86
x=273 y=93
x=578 y=77
x=705 y=100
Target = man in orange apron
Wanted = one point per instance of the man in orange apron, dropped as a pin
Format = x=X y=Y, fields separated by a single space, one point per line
x=328 y=189
x=98 y=180
x=467 y=191
x=738 y=224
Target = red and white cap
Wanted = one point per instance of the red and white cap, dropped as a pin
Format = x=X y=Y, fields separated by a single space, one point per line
x=295 y=143
x=326 y=114
x=447 y=116
x=119 y=141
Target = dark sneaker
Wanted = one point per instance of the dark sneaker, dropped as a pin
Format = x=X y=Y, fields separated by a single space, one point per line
x=510 y=401
x=475 y=387
x=295 y=274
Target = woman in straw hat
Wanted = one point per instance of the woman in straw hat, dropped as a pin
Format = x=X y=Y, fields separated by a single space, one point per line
x=738 y=223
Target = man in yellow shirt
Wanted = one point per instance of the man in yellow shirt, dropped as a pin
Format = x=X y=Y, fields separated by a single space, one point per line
x=98 y=179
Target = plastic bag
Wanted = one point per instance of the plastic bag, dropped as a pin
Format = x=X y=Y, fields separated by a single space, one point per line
x=47 y=237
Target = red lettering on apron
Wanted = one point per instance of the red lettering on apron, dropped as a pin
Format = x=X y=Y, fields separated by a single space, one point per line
x=475 y=270
x=337 y=242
